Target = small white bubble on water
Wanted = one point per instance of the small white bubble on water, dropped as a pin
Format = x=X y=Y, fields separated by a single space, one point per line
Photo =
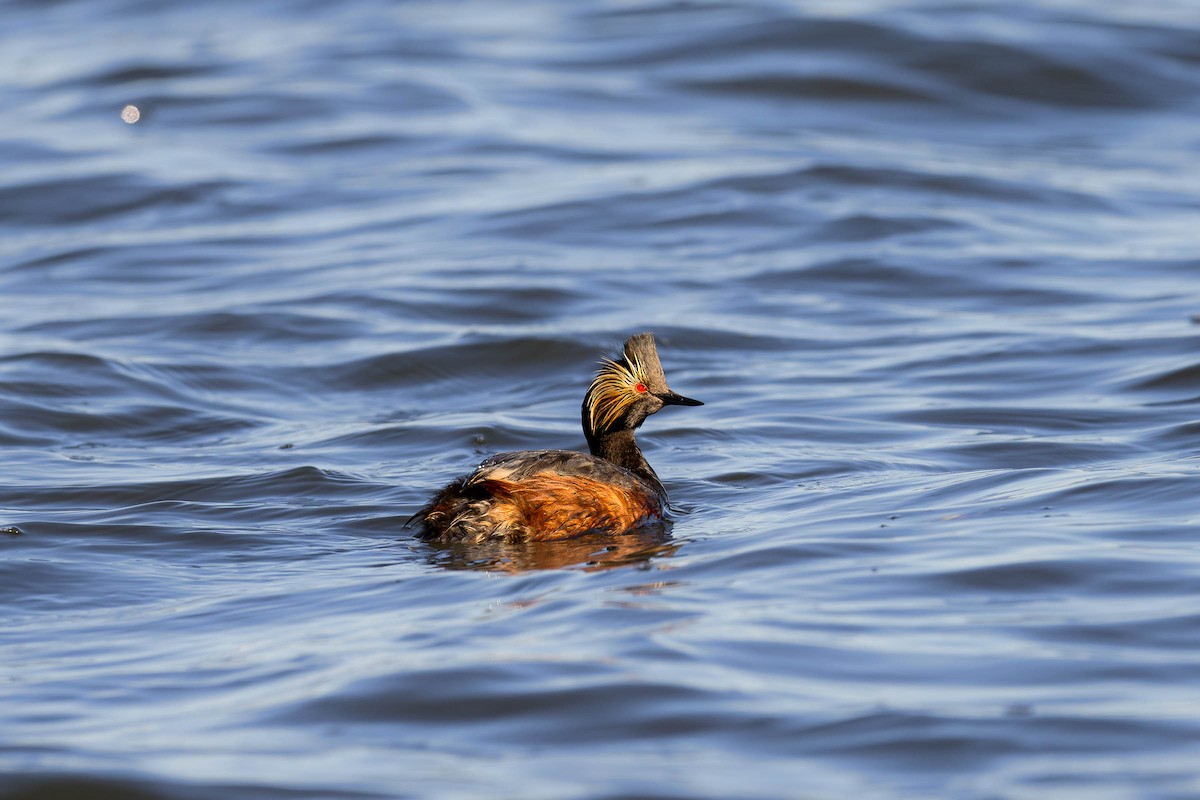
x=131 y=114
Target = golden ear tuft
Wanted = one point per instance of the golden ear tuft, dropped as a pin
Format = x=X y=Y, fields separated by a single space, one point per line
x=613 y=391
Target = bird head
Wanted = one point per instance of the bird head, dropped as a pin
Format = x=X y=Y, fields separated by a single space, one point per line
x=628 y=389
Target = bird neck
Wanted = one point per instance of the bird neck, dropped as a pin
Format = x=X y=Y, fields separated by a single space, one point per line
x=622 y=449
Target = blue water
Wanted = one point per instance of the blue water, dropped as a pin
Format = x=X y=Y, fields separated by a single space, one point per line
x=931 y=266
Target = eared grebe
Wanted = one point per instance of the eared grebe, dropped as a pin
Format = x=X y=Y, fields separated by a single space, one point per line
x=539 y=495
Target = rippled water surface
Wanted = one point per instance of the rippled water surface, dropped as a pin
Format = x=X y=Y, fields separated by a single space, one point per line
x=931 y=265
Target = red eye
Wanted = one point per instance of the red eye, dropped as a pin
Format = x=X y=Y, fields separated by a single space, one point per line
x=641 y=388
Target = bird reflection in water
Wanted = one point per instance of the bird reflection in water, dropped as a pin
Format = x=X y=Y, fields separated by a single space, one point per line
x=590 y=552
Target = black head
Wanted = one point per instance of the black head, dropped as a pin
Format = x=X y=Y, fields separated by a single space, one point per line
x=628 y=389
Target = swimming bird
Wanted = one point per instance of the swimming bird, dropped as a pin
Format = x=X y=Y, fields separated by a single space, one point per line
x=542 y=495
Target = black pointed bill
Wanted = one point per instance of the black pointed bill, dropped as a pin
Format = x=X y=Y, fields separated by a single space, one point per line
x=672 y=399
